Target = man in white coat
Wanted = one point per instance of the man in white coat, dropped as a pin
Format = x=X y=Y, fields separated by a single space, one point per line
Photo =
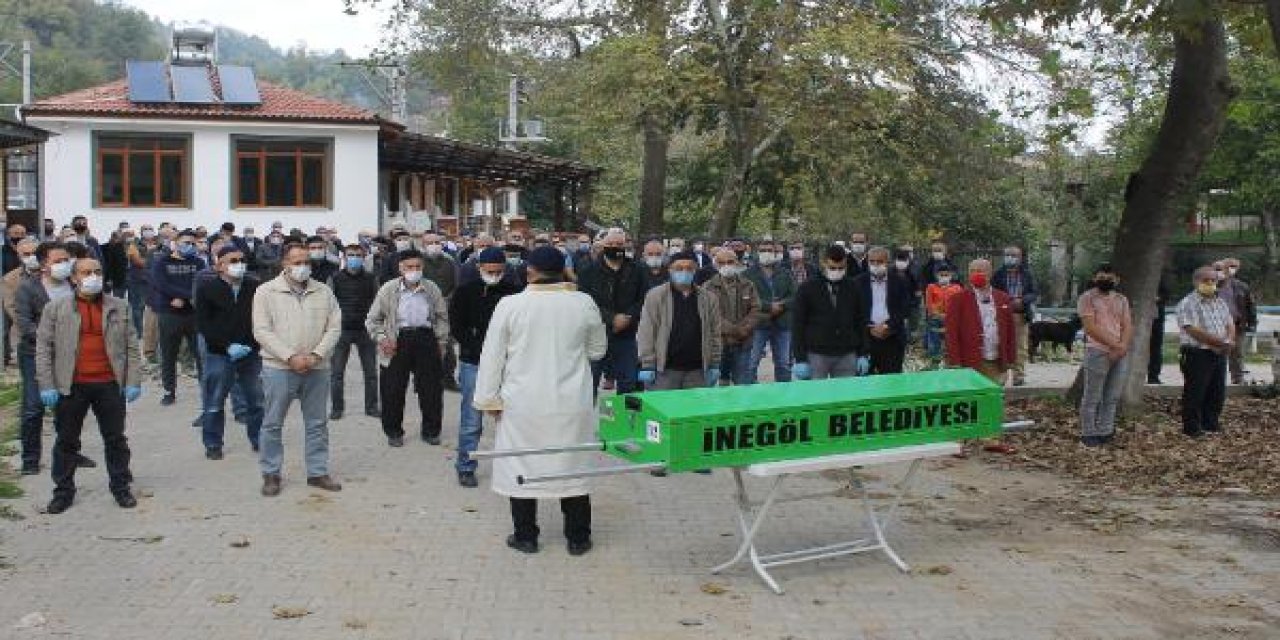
x=535 y=383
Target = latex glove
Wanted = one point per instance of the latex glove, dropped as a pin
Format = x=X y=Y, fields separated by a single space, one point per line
x=647 y=376
x=131 y=394
x=50 y=397
x=801 y=371
x=237 y=351
x=864 y=365
x=713 y=376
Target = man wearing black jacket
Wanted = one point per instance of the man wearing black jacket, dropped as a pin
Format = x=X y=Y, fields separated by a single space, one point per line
x=885 y=299
x=825 y=337
x=617 y=285
x=470 y=310
x=172 y=282
x=355 y=288
x=224 y=318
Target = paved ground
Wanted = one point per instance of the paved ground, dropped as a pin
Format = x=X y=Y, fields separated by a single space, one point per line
x=403 y=552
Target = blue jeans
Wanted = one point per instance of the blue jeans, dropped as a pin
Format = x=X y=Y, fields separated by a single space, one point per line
x=934 y=338
x=621 y=361
x=239 y=405
x=735 y=364
x=279 y=388
x=137 y=302
x=32 y=415
x=779 y=342
x=221 y=375
x=470 y=419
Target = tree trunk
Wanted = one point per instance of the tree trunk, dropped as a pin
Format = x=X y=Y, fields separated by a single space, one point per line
x=653 y=184
x=1271 y=229
x=1273 y=19
x=1195 y=111
x=724 y=220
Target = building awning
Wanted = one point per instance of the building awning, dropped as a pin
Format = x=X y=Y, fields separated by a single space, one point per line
x=15 y=134
x=417 y=153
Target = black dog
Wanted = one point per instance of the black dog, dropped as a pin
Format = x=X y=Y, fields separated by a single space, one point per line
x=1054 y=332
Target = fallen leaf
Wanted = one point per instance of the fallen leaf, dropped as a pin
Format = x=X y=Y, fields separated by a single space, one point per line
x=691 y=622
x=714 y=588
x=240 y=543
x=285 y=613
x=355 y=623
x=142 y=539
x=939 y=570
x=225 y=598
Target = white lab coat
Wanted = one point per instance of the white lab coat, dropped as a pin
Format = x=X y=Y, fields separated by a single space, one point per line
x=536 y=368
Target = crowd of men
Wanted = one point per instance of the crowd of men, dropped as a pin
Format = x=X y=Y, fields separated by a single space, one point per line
x=527 y=329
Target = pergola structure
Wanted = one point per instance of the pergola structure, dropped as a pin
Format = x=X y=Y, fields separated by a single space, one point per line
x=406 y=153
x=19 y=180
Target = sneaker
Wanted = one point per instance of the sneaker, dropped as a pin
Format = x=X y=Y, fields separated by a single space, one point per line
x=468 y=479
x=126 y=500
x=336 y=414
x=213 y=453
x=270 y=485
x=523 y=546
x=31 y=468
x=167 y=399
x=396 y=441
x=579 y=548
x=431 y=440
x=85 y=462
x=58 y=504
x=324 y=482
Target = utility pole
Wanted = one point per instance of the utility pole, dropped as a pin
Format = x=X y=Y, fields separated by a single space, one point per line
x=26 y=72
x=396 y=95
x=513 y=112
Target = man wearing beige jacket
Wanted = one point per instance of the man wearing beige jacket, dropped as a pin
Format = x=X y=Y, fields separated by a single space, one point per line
x=296 y=322
x=679 y=333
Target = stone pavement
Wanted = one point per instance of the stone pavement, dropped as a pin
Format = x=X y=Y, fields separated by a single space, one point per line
x=404 y=552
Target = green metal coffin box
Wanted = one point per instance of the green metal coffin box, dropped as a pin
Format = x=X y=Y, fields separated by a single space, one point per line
x=741 y=425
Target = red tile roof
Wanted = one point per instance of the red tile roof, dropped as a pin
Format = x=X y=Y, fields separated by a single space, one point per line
x=278 y=104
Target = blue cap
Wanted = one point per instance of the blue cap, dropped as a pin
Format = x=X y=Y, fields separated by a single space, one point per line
x=491 y=255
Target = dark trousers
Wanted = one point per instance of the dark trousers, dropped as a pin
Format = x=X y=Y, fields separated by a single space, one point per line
x=107 y=403
x=577 y=518
x=886 y=355
x=1204 y=389
x=173 y=328
x=417 y=354
x=368 y=353
x=1155 y=359
x=32 y=411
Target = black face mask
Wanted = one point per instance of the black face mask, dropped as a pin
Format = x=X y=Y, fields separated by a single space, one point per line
x=512 y=248
x=80 y=227
x=1105 y=286
x=613 y=253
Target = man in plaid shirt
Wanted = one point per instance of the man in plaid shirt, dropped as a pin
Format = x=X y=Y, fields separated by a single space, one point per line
x=1014 y=278
x=1206 y=335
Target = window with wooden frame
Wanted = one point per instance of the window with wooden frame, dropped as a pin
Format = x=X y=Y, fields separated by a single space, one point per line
x=281 y=173
x=142 y=171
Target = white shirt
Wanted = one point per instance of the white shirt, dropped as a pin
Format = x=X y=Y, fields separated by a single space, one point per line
x=879 y=300
x=990 y=327
x=414 y=310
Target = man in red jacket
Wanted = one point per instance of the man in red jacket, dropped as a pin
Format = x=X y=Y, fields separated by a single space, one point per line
x=979 y=326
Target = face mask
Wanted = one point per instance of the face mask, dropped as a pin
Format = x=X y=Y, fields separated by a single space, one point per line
x=403 y=245
x=148 y=234
x=80 y=227
x=879 y=270
x=1105 y=286
x=248 y=235
x=60 y=270
x=629 y=254
x=276 y=240
x=236 y=271
x=978 y=280
x=413 y=277
x=768 y=258
x=433 y=251
x=729 y=270
x=1231 y=271
x=944 y=280
x=796 y=255
x=939 y=256
x=858 y=248
x=682 y=278
x=355 y=263
x=653 y=262
x=835 y=275
x=1011 y=261
x=1221 y=276
x=300 y=273
x=674 y=249
x=32 y=263
x=613 y=253
x=698 y=246
x=1207 y=289
x=91 y=285
x=571 y=246
x=316 y=254
x=901 y=264
x=491 y=278
x=187 y=250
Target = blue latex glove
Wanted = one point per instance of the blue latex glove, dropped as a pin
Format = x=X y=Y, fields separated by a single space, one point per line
x=864 y=365
x=647 y=376
x=237 y=351
x=713 y=376
x=801 y=371
x=50 y=397
x=132 y=393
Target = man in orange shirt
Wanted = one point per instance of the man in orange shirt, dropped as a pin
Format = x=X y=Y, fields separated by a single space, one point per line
x=87 y=358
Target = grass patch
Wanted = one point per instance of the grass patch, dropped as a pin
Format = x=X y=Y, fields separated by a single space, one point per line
x=10 y=396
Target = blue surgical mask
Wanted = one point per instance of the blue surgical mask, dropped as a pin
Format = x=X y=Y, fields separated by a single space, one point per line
x=188 y=250
x=355 y=263
x=682 y=278
x=1012 y=261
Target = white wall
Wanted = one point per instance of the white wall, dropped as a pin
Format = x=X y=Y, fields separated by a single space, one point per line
x=67 y=176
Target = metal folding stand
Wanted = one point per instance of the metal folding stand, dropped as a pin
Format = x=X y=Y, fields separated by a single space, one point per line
x=752 y=514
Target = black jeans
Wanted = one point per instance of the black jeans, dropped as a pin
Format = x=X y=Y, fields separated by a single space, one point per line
x=107 y=403
x=172 y=328
x=368 y=353
x=1204 y=389
x=417 y=354
x=577 y=518
x=1155 y=358
x=886 y=355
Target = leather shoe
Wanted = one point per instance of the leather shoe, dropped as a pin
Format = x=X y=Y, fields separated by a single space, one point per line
x=126 y=500
x=579 y=548
x=167 y=400
x=84 y=462
x=523 y=546
x=336 y=414
x=213 y=453
x=396 y=441
x=58 y=504
x=467 y=479
x=431 y=440
x=324 y=482
x=31 y=468
x=198 y=423
x=270 y=485
x=373 y=413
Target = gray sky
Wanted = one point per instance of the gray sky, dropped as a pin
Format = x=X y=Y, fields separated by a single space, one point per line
x=284 y=23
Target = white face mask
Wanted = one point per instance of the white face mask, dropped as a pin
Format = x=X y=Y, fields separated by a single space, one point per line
x=698 y=246
x=797 y=254
x=491 y=278
x=433 y=250
x=316 y=254
x=901 y=264
x=674 y=249
x=653 y=262
x=858 y=248
x=32 y=263
x=939 y=255
x=729 y=270
x=60 y=270
x=944 y=280
x=1232 y=271
x=879 y=270
x=148 y=234
x=403 y=245
x=236 y=271
x=300 y=273
x=767 y=258
x=413 y=277
x=835 y=275
x=91 y=285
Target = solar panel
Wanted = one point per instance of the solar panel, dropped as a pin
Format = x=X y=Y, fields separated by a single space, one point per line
x=147 y=81
x=239 y=86
x=191 y=85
